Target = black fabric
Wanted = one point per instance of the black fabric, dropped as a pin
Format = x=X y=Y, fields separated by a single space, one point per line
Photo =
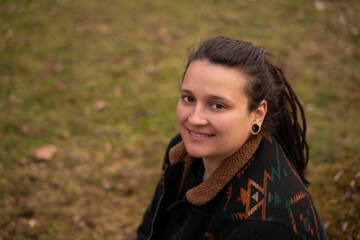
x=287 y=211
x=195 y=176
x=262 y=231
x=182 y=211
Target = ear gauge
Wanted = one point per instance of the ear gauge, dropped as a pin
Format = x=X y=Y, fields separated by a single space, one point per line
x=255 y=129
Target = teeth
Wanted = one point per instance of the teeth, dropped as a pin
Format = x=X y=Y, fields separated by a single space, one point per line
x=199 y=135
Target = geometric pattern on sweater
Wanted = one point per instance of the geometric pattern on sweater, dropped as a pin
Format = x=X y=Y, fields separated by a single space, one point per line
x=266 y=196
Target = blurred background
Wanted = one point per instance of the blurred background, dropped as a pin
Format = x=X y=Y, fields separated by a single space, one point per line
x=88 y=91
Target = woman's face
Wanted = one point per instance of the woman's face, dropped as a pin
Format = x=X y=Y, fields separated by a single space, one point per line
x=212 y=112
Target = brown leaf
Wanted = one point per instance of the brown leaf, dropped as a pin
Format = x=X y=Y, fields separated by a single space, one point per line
x=342 y=19
x=338 y=176
x=46 y=152
x=344 y=226
x=32 y=222
x=352 y=184
x=99 y=105
x=326 y=225
x=319 y=5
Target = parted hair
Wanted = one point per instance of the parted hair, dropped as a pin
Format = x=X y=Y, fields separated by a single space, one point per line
x=285 y=118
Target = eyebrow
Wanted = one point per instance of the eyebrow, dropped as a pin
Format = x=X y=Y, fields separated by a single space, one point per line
x=210 y=96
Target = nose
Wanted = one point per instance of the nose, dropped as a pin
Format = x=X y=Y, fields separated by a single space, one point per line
x=198 y=116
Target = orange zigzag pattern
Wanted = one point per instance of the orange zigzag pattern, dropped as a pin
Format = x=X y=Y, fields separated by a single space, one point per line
x=298 y=197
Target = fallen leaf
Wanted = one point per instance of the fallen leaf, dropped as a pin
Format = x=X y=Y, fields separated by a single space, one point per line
x=342 y=19
x=319 y=5
x=32 y=222
x=344 y=226
x=338 y=176
x=352 y=184
x=326 y=225
x=46 y=152
x=99 y=105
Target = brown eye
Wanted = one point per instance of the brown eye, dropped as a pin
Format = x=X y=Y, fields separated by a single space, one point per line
x=217 y=106
x=188 y=99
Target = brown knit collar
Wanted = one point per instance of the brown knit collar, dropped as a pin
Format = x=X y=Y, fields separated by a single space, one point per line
x=208 y=189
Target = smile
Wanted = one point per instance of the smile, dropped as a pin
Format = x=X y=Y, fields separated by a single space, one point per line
x=199 y=135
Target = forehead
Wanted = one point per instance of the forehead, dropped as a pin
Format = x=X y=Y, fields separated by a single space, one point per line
x=203 y=76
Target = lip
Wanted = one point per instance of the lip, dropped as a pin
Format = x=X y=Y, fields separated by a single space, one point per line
x=199 y=135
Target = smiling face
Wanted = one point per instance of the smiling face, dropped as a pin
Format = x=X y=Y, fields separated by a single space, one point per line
x=212 y=113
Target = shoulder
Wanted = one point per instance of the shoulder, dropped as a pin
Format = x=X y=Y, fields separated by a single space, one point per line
x=269 y=189
x=271 y=157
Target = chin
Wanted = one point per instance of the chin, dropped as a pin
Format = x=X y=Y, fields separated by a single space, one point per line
x=196 y=155
x=199 y=153
x=195 y=152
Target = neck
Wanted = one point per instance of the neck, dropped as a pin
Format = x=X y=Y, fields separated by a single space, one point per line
x=210 y=166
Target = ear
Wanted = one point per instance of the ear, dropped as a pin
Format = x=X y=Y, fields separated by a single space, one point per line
x=260 y=113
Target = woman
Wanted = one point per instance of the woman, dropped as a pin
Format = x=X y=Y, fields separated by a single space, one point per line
x=236 y=171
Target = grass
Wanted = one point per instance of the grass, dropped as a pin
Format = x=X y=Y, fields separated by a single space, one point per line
x=99 y=80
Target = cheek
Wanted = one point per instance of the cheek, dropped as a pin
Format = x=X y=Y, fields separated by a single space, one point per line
x=233 y=125
x=222 y=124
x=180 y=113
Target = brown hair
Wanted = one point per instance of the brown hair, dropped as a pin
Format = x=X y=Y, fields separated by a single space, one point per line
x=267 y=82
